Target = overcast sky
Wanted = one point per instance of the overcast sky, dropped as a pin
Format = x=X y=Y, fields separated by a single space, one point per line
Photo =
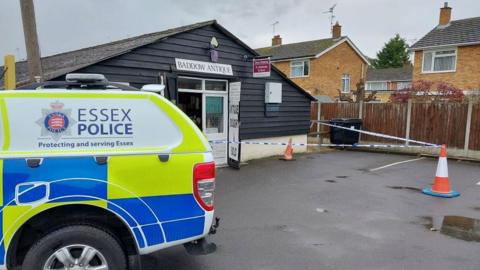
x=65 y=25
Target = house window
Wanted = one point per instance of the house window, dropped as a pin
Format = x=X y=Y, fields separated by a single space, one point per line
x=299 y=68
x=345 y=83
x=403 y=85
x=376 y=86
x=439 y=61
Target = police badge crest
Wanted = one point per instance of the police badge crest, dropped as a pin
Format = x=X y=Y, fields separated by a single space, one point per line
x=56 y=121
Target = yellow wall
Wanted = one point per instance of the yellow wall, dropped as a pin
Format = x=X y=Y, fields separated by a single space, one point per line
x=327 y=70
x=467 y=74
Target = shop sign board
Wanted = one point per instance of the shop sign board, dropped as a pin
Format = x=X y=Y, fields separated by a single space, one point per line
x=203 y=67
x=261 y=67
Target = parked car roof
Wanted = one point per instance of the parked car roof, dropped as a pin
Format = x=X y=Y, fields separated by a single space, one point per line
x=459 y=32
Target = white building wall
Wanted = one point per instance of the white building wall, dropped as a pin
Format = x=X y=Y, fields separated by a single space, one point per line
x=253 y=151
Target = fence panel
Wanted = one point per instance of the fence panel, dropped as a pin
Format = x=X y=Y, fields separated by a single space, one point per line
x=439 y=123
x=339 y=110
x=474 y=142
x=314 y=116
x=431 y=122
x=385 y=118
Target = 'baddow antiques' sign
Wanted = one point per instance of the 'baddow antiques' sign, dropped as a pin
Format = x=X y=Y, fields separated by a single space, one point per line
x=203 y=67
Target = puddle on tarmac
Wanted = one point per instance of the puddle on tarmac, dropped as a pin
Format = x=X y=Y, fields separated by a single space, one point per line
x=405 y=188
x=464 y=228
x=341 y=176
x=330 y=181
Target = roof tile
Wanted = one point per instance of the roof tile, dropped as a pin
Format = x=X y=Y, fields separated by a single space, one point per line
x=390 y=74
x=297 y=50
x=59 y=64
x=457 y=32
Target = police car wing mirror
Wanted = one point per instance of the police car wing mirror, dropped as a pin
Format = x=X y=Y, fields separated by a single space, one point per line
x=101 y=160
x=34 y=162
x=164 y=157
x=155 y=88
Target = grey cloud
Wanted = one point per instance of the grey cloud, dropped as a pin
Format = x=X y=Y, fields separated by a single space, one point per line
x=65 y=25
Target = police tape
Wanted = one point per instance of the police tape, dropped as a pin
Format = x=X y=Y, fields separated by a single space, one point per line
x=376 y=134
x=323 y=144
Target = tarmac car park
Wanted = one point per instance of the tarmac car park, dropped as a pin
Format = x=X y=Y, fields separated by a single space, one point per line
x=339 y=210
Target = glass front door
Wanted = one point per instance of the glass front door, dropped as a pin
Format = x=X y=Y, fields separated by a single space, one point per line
x=215 y=116
x=205 y=102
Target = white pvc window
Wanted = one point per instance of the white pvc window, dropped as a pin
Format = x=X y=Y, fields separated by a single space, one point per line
x=300 y=68
x=346 y=83
x=439 y=61
x=403 y=85
x=376 y=86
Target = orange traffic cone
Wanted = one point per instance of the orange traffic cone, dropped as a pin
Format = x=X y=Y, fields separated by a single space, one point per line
x=441 y=186
x=288 y=155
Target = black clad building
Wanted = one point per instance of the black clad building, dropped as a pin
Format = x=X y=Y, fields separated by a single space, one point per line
x=203 y=67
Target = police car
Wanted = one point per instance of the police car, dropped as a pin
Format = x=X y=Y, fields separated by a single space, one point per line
x=94 y=177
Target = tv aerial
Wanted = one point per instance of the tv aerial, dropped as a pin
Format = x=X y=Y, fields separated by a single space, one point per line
x=331 y=11
x=273 y=26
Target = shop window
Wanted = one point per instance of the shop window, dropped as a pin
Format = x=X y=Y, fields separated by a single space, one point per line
x=191 y=105
x=215 y=85
x=190 y=84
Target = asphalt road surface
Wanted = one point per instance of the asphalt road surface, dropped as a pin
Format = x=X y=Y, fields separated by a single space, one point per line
x=329 y=211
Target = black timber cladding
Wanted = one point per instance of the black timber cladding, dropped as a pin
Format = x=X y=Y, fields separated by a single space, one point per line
x=144 y=64
x=62 y=63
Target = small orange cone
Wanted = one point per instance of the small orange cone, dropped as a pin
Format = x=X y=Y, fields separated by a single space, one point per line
x=441 y=185
x=288 y=155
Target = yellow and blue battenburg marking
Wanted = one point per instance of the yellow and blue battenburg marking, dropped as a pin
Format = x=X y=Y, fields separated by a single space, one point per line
x=154 y=207
x=155 y=199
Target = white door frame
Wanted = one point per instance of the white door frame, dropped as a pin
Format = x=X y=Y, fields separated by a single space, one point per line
x=211 y=93
x=224 y=134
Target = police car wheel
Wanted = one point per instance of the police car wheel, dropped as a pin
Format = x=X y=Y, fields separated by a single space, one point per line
x=76 y=247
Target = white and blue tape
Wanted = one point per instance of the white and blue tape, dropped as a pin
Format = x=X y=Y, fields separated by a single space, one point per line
x=422 y=144
x=377 y=134
x=323 y=144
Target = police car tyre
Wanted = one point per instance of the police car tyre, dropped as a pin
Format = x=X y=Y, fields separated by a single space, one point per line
x=107 y=250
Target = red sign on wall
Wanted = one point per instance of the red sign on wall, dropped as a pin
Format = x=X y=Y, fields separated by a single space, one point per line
x=261 y=67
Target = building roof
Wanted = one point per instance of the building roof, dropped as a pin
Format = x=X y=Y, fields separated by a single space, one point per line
x=459 y=32
x=298 y=50
x=63 y=63
x=307 y=49
x=390 y=74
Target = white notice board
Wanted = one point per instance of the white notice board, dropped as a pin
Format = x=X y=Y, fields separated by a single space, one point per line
x=234 y=120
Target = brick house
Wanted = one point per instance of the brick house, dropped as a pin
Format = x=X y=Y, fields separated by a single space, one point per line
x=387 y=80
x=450 y=52
x=322 y=67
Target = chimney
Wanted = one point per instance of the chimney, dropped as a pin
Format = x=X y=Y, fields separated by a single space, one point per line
x=445 y=14
x=337 y=30
x=276 y=40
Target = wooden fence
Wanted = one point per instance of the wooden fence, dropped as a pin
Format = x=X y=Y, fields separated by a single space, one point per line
x=454 y=124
